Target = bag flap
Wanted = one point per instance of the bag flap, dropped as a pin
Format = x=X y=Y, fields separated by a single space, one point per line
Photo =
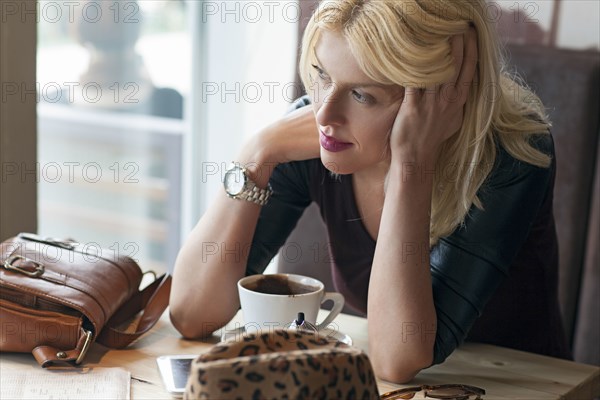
x=63 y=272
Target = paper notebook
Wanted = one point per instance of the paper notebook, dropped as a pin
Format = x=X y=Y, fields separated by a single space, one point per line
x=85 y=383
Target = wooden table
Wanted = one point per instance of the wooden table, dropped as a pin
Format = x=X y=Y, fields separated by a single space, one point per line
x=503 y=373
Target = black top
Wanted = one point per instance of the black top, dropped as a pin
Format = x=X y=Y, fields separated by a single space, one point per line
x=494 y=279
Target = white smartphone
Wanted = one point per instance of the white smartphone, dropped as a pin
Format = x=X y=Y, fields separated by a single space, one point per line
x=175 y=370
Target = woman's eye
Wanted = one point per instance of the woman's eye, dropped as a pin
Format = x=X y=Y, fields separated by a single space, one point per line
x=320 y=73
x=361 y=98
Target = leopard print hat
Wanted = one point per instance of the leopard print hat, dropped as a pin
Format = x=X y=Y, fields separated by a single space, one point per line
x=282 y=364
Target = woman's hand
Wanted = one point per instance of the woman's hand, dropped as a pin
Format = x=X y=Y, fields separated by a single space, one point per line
x=428 y=117
x=294 y=137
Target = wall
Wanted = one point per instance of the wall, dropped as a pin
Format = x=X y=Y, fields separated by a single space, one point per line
x=17 y=124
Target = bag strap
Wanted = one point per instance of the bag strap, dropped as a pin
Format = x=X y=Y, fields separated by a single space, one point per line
x=47 y=355
x=153 y=300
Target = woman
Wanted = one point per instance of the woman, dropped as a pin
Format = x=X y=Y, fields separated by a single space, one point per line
x=433 y=171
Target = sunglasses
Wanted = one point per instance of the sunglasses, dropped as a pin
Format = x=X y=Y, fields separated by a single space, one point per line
x=447 y=392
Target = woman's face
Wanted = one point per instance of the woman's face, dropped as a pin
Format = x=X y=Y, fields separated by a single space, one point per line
x=354 y=113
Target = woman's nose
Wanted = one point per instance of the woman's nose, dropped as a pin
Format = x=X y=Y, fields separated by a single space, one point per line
x=330 y=110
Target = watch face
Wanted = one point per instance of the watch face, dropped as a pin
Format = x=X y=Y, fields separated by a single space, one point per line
x=234 y=181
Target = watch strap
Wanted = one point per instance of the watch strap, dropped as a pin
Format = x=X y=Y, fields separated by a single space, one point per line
x=254 y=194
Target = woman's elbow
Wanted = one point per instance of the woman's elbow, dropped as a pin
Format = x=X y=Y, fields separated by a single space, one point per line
x=398 y=370
x=194 y=324
x=188 y=324
x=398 y=377
x=182 y=322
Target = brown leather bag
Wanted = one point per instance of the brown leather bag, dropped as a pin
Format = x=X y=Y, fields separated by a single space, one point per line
x=56 y=299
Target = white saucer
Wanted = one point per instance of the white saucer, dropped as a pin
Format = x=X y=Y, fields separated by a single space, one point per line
x=336 y=335
x=329 y=333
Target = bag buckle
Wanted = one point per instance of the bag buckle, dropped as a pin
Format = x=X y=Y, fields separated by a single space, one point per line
x=85 y=348
x=37 y=270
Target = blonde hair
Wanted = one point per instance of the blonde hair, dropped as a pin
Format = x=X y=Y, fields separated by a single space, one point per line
x=400 y=41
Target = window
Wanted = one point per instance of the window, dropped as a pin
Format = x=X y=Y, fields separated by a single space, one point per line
x=135 y=106
x=112 y=78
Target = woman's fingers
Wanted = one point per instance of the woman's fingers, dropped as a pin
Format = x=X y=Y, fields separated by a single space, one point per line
x=430 y=114
x=464 y=55
x=469 y=64
x=412 y=95
x=457 y=44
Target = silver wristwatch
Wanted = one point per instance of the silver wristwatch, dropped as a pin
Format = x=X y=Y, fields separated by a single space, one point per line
x=238 y=185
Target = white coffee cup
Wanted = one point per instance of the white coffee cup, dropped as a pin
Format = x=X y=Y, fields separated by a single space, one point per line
x=263 y=308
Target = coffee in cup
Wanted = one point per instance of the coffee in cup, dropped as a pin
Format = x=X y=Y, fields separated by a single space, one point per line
x=274 y=300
